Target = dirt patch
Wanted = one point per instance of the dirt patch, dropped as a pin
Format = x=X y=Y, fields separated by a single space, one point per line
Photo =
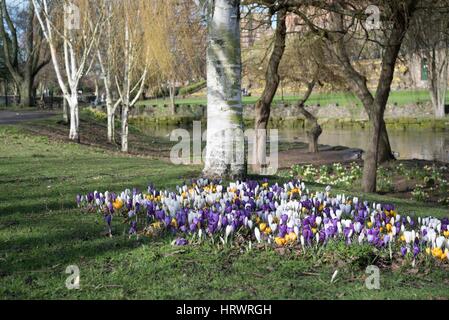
x=94 y=134
x=327 y=155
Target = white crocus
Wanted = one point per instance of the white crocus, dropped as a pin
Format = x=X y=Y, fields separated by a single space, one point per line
x=361 y=238
x=257 y=234
x=408 y=237
x=228 y=232
x=440 y=242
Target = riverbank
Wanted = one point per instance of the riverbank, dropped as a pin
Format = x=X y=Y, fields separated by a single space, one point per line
x=404 y=117
x=398 y=97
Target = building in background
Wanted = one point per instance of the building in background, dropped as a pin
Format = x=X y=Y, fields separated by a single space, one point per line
x=254 y=27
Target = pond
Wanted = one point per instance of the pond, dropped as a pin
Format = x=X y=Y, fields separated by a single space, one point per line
x=423 y=144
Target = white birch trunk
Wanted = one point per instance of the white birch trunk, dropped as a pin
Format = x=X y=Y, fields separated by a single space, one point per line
x=74 y=117
x=225 y=151
x=65 y=115
x=75 y=65
x=126 y=90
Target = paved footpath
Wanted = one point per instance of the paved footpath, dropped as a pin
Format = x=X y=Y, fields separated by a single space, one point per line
x=12 y=117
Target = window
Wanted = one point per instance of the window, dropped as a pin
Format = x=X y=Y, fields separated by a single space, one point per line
x=424 y=70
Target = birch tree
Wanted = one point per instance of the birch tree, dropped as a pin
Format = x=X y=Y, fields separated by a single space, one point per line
x=130 y=80
x=80 y=31
x=108 y=63
x=225 y=152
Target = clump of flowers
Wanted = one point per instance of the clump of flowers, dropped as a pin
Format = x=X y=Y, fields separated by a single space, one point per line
x=280 y=215
x=431 y=182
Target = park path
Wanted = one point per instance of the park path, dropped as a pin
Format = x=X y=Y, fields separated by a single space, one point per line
x=12 y=117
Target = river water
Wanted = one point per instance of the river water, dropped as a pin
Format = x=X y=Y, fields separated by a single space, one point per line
x=425 y=144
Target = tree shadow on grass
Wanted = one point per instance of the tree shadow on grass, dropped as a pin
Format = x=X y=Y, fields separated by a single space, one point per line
x=47 y=250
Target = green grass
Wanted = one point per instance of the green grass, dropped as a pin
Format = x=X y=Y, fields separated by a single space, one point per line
x=343 y=99
x=42 y=232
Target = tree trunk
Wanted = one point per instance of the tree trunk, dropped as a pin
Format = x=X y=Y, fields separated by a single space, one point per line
x=369 y=181
x=315 y=130
x=263 y=105
x=225 y=151
x=385 y=154
x=172 y=89
x=401 y=20
x=125 y=129
x=74 y=118
x=26 y=92
x=111 y=124
x=313 y=135
x=65 y=113
x=438 y=80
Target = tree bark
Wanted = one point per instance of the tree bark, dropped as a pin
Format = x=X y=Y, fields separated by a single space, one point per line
x=74 y=118
x=263 y=105
x=65 y=112
x=438 y=80
x=225 y=151
x=172 y=89
x=401 y=18
x=125 y=127
x=111 y=127
x=315 y=130
x=375 y=106
x=26 y=92
x=23 y=73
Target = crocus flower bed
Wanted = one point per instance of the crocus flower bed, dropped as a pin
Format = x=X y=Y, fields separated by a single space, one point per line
x=277 y=215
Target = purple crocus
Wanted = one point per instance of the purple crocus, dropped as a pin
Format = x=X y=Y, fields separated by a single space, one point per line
x=403 y=251
x=416 y=250
x=133 y=228
x=181 y=242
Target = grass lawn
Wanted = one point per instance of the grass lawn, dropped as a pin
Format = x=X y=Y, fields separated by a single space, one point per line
x=42 y=232
x=342 y=98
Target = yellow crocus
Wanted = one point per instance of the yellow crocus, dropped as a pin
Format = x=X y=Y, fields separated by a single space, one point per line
x=117 y=204
x=438 y=253
x=267 y=231
x=292 y=237
x=280 y=241
x=262 y=227
x=370 y=224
